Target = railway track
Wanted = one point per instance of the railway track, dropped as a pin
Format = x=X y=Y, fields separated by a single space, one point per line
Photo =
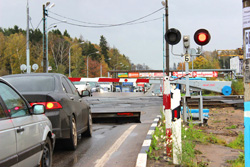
x=218 y=101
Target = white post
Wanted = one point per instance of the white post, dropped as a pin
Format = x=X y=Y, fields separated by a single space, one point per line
x=168 y=114
x=176 y=126
x=27 y=41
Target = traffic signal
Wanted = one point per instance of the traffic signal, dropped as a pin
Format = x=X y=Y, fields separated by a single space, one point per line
x=186 y=41
x=202 y=37
x=173 y=36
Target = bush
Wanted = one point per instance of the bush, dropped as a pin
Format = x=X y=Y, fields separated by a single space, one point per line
x=237 y=87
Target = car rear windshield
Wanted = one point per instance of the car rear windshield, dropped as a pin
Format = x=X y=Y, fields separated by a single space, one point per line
x=33 y=83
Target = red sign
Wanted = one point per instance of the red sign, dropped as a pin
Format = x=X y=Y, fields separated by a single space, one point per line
x=215 y=74
x=196 y=74
x=133 y=75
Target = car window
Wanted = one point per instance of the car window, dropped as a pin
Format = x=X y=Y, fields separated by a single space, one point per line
x=79 y=83
x=72 y=87
x=66 y=86
x=2 y=113
x=16 y=106
x=32 y=83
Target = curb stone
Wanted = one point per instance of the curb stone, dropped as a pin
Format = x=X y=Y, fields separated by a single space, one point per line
x=142 y=156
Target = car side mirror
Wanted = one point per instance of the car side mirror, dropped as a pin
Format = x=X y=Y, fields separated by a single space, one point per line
x=38 y=109
x=85 y=93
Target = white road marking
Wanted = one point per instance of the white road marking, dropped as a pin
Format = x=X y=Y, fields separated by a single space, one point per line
x=141 y=160
x=101 y=162
x=146 y=143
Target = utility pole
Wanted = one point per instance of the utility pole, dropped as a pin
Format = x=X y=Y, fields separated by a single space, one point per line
x=44 y=40
x=27 y=40
x=167 y=46
x=246 y=70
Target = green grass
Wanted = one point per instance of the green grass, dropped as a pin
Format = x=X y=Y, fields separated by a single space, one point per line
x=232 y=127
x=238 y=143
x=191 y=136
x=239 y=162
x=217 y=121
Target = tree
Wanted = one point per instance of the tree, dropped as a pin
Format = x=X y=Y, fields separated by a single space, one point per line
x=15 y=52
x=59 y=48
x=56 y=32
x=104 y=49
x=15 y=30
x=35 y=35
x=66 y=34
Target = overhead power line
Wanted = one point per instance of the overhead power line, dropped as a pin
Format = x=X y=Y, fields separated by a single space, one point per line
x=88 y=26
x=101 y=25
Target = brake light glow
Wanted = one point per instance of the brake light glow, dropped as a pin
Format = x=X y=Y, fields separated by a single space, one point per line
x=49 y=105
x=126 y=114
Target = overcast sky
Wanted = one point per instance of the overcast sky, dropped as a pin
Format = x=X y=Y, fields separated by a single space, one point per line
x=142 y=43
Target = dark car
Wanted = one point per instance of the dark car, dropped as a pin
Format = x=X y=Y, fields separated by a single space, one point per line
x=68 y=112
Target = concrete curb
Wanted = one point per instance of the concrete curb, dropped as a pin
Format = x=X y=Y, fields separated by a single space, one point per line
x=142 y=156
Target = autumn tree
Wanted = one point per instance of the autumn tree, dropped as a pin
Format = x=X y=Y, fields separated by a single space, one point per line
x=59 y=49
x=15 y=53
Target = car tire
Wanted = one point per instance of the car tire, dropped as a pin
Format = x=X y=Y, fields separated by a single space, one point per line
x=88 y=133
x=71 y=143
x=46 y=160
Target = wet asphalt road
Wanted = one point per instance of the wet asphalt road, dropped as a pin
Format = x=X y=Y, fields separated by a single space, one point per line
x=112 y=145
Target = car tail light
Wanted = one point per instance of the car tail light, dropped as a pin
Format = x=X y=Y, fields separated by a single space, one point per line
x=49 y=105
x=125 y=113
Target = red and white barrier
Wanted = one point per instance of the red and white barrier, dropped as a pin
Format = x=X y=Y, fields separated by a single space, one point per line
x=135 y=80
x=171 y=107
x=168 y=114
x=176 y=125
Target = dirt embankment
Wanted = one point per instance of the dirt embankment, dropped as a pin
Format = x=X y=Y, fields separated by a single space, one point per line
x=225 y=124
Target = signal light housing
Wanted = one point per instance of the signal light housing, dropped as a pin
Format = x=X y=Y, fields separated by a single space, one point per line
x=173 y=36
x=202 y=37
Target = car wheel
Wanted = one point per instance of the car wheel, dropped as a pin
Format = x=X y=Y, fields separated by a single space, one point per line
x=71 y=144
x=88 y=133
x=46 y=160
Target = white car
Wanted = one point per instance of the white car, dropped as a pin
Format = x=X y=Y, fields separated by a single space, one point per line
x=25 y=132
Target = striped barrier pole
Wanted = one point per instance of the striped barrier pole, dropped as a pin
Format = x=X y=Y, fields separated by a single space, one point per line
x=247 y=132
x=168 y=114
x=176 y=125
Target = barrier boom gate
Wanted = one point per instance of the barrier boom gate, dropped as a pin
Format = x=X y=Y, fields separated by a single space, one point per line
x=223 y=87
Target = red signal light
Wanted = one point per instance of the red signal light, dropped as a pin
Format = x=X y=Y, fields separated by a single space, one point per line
x=202 y=37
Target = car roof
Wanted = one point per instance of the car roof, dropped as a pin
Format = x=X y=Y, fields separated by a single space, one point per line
x=34 y=74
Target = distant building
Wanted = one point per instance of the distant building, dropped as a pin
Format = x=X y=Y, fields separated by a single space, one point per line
x=237 y=64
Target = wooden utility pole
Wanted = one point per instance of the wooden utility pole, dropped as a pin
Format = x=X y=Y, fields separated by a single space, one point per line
x=167 y=46
x=246 y=69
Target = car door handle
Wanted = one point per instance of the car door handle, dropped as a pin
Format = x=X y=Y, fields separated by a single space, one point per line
x=80 y=100
x=71 y=98
x=20 y=130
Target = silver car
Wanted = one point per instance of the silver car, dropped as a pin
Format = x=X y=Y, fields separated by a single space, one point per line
x=25 y=132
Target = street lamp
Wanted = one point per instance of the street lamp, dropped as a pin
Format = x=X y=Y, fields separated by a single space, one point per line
x=88 y=62
x=46 y=8
x=101 y=67
x=70 y=56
